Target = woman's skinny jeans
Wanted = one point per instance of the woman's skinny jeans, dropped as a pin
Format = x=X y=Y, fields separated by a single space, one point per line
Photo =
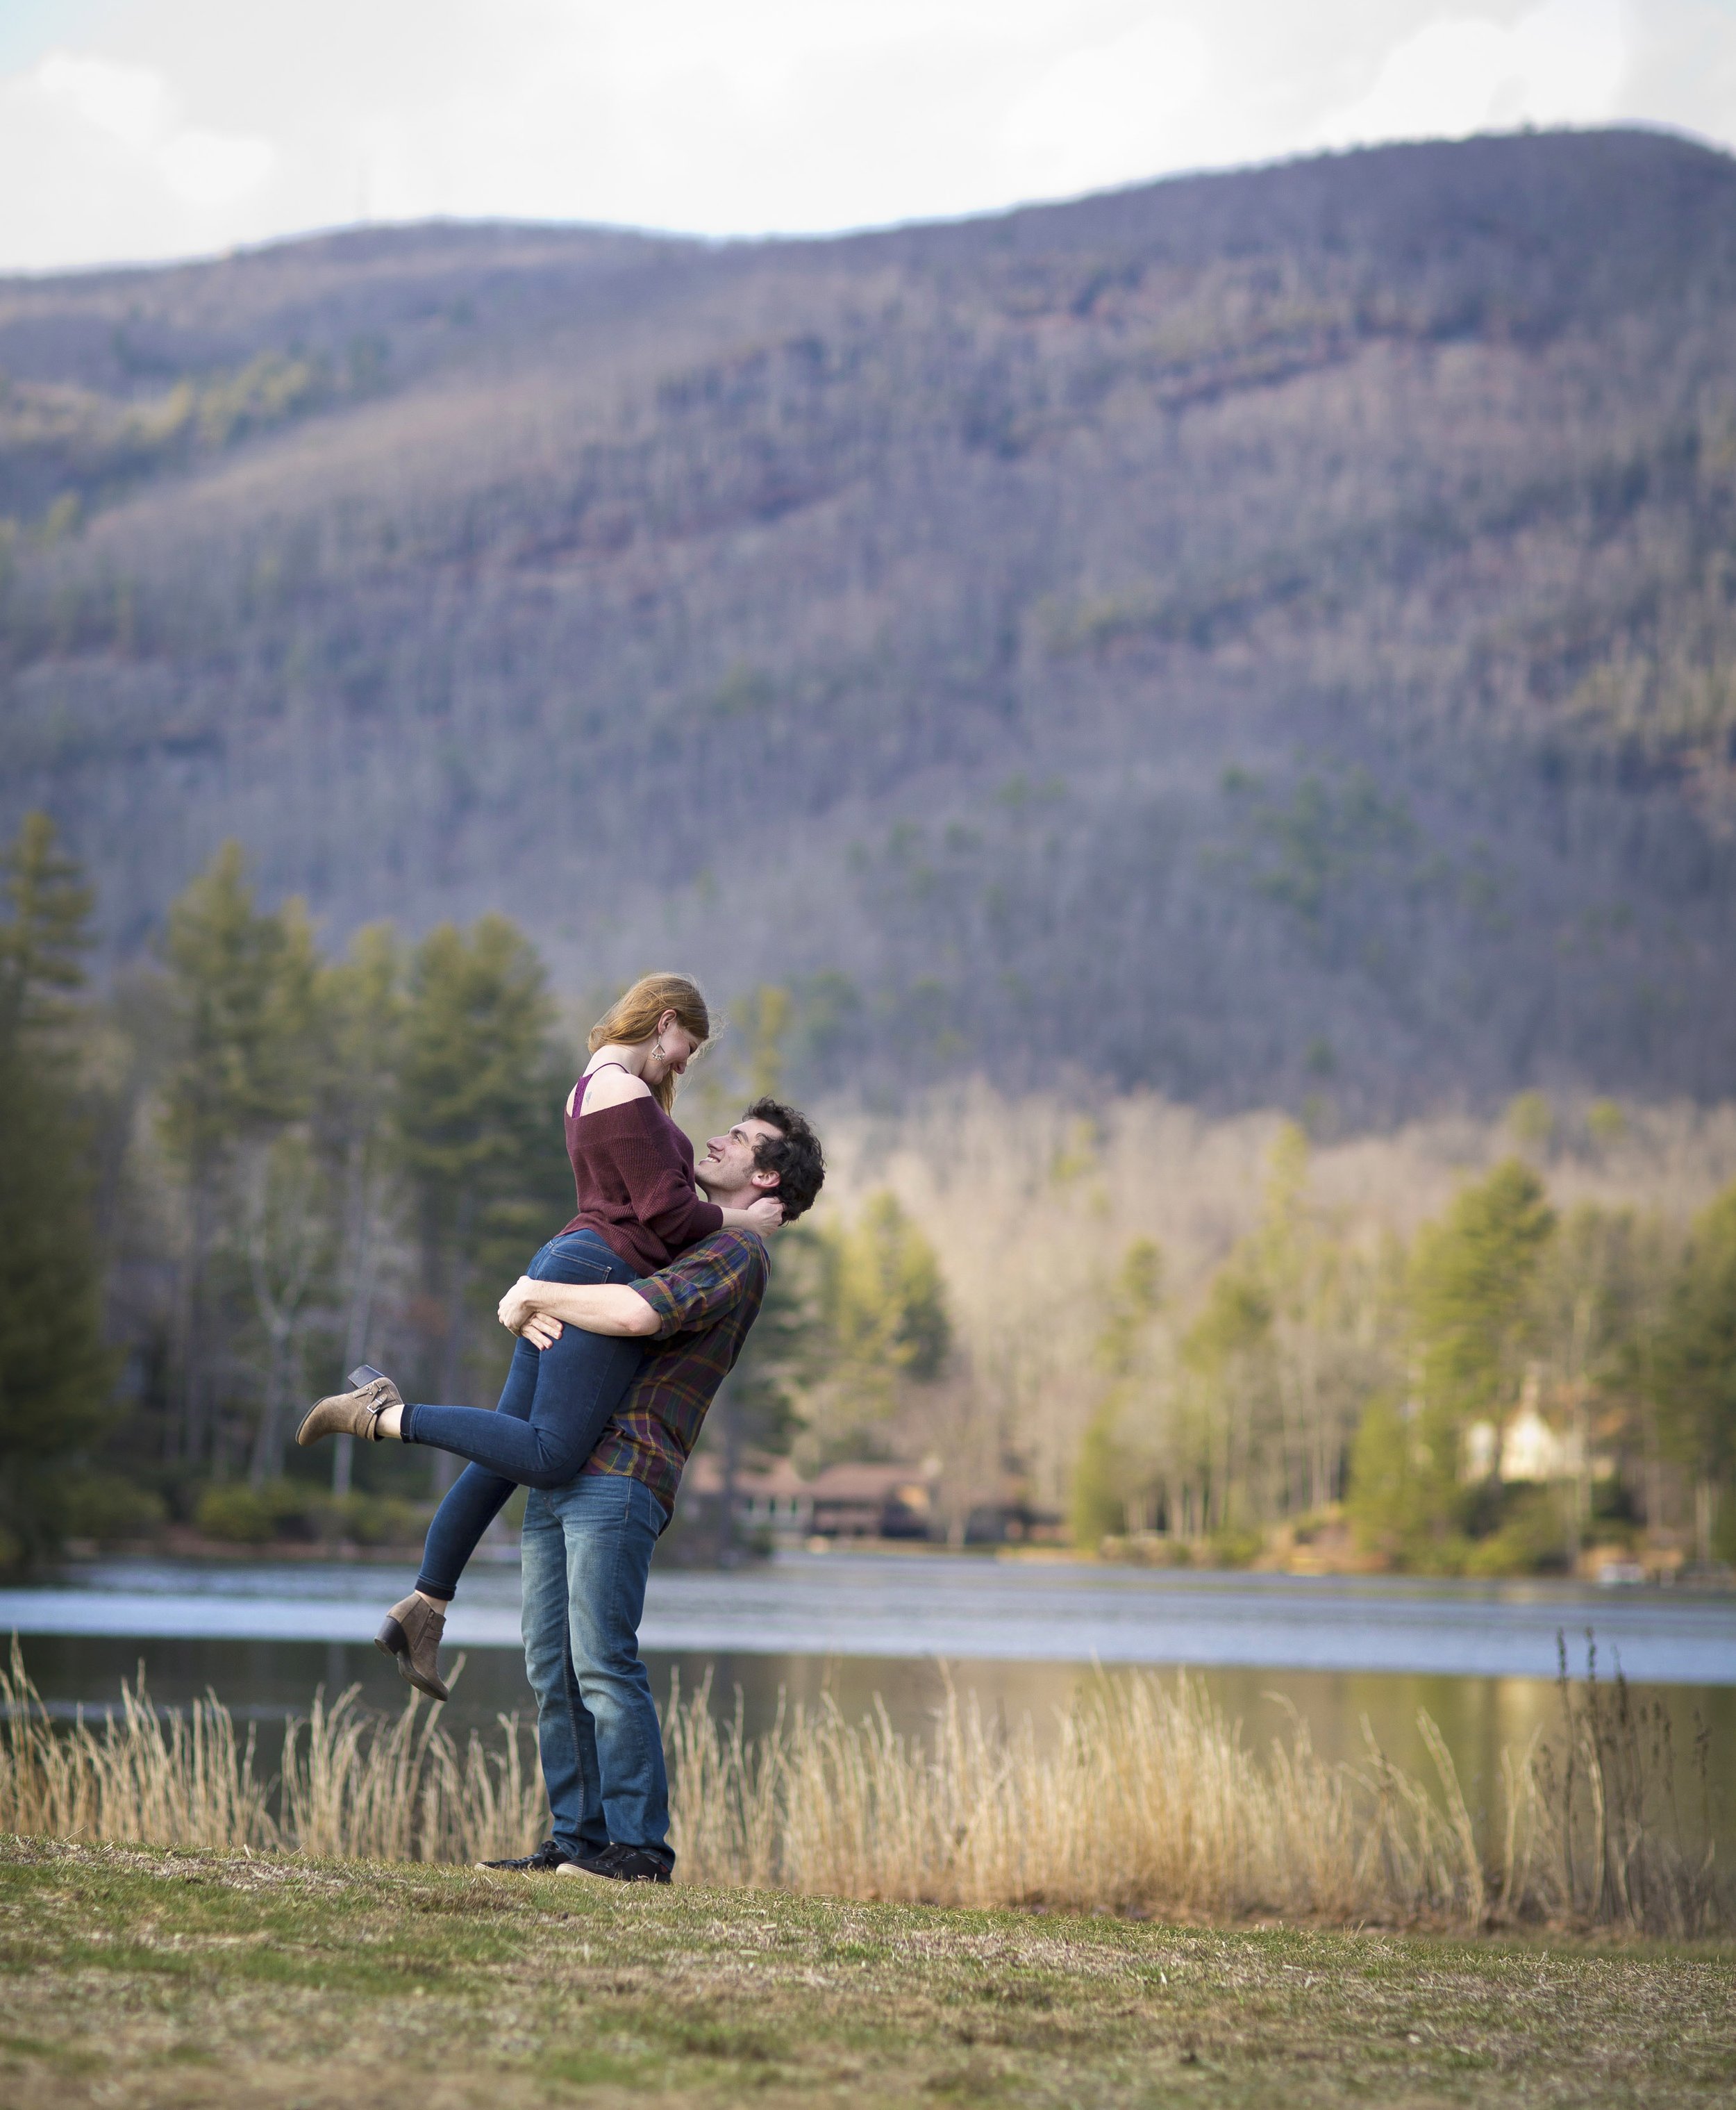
x=555 y=1404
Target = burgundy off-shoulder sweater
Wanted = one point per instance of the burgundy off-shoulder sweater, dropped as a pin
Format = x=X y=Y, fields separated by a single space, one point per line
x=633 y=1172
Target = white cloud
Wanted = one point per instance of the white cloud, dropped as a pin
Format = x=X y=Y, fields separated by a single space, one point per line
x=213 y=168
x=1101 y=116
x=130 y=103
x=1561 y=63
x=102 y=147
x=187 y=125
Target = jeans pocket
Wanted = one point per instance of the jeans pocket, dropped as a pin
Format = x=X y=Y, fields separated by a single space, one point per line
x=642 y=1507
x=556 y=1263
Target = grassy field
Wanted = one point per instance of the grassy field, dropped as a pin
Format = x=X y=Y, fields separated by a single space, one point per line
x=140 y=1977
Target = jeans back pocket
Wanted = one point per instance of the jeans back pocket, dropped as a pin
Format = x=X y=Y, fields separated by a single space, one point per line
x=571 y=1260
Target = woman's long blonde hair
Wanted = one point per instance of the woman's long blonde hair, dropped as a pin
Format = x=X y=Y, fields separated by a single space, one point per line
x=632 y=1020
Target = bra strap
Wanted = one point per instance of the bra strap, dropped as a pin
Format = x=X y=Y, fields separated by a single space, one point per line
x=578 y=1104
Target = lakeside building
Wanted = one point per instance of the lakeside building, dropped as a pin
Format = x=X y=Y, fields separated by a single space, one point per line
x=1531 y=1446
x=857 y=1501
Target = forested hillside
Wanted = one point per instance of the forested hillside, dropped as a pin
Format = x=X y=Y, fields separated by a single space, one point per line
x=1259 y=636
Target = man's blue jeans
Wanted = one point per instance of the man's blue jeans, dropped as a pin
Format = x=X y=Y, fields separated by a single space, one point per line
x=586 y=1550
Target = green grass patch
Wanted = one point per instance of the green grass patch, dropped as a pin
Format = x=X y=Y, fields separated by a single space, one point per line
x=160 y=1978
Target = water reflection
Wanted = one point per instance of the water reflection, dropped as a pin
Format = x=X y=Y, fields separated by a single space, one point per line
x=267 y=1680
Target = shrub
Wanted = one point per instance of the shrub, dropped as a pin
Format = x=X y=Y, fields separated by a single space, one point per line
x=252 y=1515
x=239 y=1515
x=1231 y=1548
x=369 y=1520
x=105 y=1506
x=1097 y=1509
x=1531 y=1538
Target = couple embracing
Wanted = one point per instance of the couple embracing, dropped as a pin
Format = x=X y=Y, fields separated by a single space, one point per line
x=627 y=1323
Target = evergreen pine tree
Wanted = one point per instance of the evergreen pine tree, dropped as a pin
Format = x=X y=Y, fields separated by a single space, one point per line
x=884 y=1299
x=1471 y=1295
x=1472 y=1278
x=881 y=1304
x=55 y=1374
x=242 y=988
x=1695 y=1366
x=1227 y=1354
x=1106 y=1478
x=362 y=1007
x=478 y=1124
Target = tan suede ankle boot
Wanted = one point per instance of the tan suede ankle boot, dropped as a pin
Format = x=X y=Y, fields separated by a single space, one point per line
x=351 y=1413
x=410 y=1632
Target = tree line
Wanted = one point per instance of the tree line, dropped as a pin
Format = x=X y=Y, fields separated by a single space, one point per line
x=249 y=1165
x=246 y=1168
x=1514 y=1383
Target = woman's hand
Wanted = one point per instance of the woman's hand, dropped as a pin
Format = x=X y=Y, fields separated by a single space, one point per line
x=766 y=1214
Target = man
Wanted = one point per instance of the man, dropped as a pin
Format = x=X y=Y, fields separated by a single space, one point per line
x=586 y=1547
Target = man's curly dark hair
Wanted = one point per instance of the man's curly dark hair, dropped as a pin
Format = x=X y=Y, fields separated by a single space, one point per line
x=793 y=1154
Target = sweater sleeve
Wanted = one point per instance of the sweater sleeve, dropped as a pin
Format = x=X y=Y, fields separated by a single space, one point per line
x=660 y=1187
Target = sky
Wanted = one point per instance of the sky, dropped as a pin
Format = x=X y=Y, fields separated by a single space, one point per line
x=140 y=129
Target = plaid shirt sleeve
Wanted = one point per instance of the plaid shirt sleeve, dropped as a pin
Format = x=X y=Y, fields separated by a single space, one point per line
x=696 y=1290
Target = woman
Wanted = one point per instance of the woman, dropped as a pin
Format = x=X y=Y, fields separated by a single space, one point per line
x=638 y=1208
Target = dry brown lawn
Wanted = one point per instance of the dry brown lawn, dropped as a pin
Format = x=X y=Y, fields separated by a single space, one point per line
x=152 y=1977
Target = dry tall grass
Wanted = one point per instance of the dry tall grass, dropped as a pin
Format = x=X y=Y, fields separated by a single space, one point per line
x=350 y=1784
x=1150 y=1802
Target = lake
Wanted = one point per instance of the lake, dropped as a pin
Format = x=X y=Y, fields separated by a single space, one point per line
x=1482 y=1658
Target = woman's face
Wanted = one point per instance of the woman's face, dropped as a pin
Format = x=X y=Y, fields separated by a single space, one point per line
x=678 y=1045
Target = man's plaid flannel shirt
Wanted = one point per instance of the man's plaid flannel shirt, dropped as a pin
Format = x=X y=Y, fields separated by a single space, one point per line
x=705 y=1302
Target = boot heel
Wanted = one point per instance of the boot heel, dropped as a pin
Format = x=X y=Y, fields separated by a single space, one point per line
x=362 y=1376
x=394 y=1640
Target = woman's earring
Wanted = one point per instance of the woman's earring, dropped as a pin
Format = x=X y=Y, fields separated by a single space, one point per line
x=657 y=1051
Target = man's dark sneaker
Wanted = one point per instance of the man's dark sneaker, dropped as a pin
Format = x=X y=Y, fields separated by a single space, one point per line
x=619 y=1864
x=545 y=1861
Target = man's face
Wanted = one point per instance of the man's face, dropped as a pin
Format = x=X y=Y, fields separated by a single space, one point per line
x=728 y=1167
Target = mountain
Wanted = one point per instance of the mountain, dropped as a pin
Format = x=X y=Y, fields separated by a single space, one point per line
x=1253 y=634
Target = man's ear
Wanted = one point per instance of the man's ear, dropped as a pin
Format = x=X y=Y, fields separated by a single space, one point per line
x=766 y=1180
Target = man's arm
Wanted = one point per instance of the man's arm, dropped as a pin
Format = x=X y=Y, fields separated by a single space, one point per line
x=604 y=1307
x=690 y=1293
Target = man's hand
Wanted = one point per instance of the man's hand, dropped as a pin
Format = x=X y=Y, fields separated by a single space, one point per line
x=519 y=1304
x=519 y=1314
x=528 y=1309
